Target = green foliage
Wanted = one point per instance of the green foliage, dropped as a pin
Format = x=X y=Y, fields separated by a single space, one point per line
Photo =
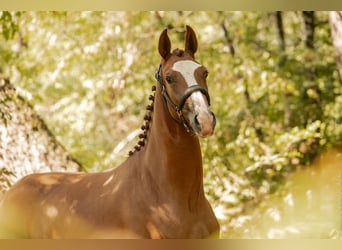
x=9 y=27
x=89 y=74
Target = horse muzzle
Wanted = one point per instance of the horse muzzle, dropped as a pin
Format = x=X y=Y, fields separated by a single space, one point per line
x=203 y=123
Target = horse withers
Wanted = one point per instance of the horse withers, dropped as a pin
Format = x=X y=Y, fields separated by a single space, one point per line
x=157 y=192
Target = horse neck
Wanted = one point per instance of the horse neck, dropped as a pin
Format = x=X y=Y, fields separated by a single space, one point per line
x=171 y=154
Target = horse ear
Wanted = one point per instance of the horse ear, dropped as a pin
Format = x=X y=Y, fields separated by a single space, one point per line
x=190 y=40
x=164 y=45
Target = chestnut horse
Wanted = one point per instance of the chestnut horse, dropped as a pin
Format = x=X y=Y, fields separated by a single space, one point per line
x=157 y=192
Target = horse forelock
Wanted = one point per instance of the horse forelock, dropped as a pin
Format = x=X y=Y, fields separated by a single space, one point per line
x=178 y=52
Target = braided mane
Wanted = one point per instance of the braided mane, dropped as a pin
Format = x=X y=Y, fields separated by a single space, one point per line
x=146 y=126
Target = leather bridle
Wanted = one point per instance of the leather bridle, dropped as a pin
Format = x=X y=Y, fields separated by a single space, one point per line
x=179 y=108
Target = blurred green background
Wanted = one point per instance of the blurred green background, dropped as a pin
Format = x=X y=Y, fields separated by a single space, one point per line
x=278 y=105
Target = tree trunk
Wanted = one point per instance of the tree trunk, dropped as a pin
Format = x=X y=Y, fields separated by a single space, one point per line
x=335 y=19
x=26 y=144
x=309 y=22
x=280 y=28
x=229 y=40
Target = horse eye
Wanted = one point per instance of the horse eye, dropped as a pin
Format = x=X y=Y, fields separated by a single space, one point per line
x=169 y=79
x=205 y=74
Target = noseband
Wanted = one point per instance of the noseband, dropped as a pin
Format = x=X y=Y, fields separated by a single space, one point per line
x=179 y=108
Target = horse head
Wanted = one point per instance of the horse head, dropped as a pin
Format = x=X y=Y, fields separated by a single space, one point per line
x=184 y=85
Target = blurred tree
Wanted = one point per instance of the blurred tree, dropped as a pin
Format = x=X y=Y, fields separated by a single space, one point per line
x=335 y=18
x=227 y=36
x=280 y=28
x=26 y=144
x=309 y=24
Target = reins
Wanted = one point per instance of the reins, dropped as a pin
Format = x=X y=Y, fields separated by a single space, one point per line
x=179 y=108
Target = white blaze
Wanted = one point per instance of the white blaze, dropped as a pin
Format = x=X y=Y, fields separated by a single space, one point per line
x=187 y=69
